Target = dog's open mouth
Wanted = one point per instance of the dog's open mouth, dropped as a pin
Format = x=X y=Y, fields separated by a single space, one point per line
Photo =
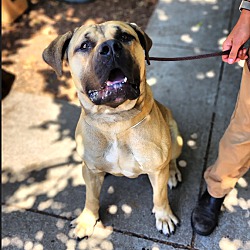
x=117 y=89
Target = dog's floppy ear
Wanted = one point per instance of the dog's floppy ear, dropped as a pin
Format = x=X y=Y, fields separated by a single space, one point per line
x=145 y=41
x=55 y=52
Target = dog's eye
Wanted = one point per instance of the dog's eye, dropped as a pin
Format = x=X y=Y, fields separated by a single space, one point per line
x=85 y=46
x=126 y=37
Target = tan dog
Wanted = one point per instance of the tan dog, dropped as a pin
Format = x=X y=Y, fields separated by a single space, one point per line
x=122 y=130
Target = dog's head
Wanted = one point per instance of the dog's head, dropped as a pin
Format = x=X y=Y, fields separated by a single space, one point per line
x=107 y=61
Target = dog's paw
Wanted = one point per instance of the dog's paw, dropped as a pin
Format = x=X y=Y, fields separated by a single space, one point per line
x=84 y=224
x=174 y=175
x=166 y=222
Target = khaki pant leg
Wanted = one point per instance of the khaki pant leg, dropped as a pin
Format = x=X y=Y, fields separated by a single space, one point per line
x=234 y=148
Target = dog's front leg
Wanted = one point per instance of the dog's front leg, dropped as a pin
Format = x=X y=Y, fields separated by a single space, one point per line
x=84 y=224
x=165 y=219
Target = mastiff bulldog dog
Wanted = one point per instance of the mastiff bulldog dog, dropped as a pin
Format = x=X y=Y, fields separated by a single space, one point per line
x=122 y=130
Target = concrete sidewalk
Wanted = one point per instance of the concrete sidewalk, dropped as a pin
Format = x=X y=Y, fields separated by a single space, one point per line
x=41 y=174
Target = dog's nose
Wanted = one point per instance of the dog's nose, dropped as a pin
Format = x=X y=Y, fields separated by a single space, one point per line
x=110 y=47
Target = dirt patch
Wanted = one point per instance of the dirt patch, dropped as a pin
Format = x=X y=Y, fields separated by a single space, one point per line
x=24 y=41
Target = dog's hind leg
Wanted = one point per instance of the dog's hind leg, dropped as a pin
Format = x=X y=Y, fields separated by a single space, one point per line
x=165 y=219
x=84 y=224
x=176 y=147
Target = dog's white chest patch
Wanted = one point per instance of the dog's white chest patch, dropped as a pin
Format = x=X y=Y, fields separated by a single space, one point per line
x=121 y=159
x=112 y=155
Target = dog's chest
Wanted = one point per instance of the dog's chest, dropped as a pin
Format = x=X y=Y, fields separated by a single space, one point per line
x=120 y=158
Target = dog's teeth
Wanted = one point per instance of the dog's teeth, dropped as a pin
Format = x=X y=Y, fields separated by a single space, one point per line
x=105 y=95
x=124 y=80
x=93 y=94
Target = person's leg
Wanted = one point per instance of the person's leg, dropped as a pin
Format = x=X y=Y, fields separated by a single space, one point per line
x=234 y=149
x=233 y=162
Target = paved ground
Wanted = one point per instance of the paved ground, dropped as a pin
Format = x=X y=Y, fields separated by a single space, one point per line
x=41 y=174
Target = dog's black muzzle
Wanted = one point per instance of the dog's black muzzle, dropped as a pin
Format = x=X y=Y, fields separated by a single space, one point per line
x=118 y=74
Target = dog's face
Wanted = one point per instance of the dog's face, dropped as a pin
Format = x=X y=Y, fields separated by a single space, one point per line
x=107 y=61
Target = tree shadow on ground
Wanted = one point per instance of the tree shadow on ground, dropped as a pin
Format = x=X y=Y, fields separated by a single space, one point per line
x=24 y=41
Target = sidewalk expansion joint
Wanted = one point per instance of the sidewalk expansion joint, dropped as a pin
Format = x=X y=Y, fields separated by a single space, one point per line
x=210 y=134
x=141 y=236
x=33 y=210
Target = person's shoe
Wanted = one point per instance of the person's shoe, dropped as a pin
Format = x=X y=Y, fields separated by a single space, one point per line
x=205 y=215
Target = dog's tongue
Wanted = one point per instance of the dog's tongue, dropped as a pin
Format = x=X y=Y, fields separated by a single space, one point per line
x=116 y=76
